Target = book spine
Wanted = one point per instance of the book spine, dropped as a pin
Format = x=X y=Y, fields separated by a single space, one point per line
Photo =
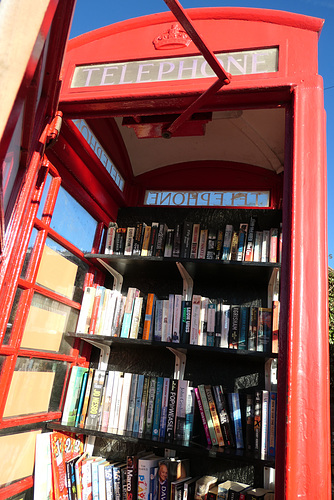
x=185 y=321
x=222 y=411
x=157 y=409
x=138 y=237
x=81 y=398
x=86 y=310
x=249 y=252
x=158 y=320
x=257 y=421
x=164 y=408
x=149 y=317
x=265 y=246
x=234 y=328
x=129 y=240
x=92 y=418
x=146 y=241
x=195 y=318
x=153 y=239
x=168 y=251
x=180 y=412
x=272 y=424
x=165 y=310
x=226 y=254
x=207 y=414
x=264 y=329
x=235 y=413
x=177 y=318
x=161 y=236
x=190 y=408
x=132 y=404
x=202 y=414
x=234 y=245
x=131 y=477
x=124 y=403
x=186 y=240
x=214 y=415
x=219 y=244
x=150 y=407
x=171 y=411
x=226 y=314
x=249 y=431
x=252 y=330
x=275 y=326
x=203 y=242
x=211 y=323
x=143 y=408
x=177 y=241
x=170 y=317
x=264 y=423
x=139 y=394
x=194 y=241
x=110 y=239
x=273 y=248
x=211 y=245
x=243 y=327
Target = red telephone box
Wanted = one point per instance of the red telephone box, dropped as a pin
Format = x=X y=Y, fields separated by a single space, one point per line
x=219 y=108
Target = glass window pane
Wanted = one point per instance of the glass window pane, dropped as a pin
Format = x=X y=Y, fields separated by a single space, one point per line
x=44 y=196
x=36 y=387
x=46 y=323
x=12 y=316
x=73 y=222
x=61 y=271
x=29 y=253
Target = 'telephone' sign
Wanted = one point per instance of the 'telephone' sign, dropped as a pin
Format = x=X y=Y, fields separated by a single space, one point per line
x=248 y=62
x=207 y=198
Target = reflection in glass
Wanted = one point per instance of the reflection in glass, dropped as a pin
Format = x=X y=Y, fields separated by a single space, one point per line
x=61 y=271
x=29 y=253
x=36 y=387
x=73 y=222
x=12 y=316
x=46 y=323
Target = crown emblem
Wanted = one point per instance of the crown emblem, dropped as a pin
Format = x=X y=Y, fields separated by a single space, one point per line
x=173 y=38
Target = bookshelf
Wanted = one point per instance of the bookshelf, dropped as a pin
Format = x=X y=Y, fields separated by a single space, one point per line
x=239 y=282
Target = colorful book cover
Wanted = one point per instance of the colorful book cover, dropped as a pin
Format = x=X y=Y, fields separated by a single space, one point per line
x=252 y=329
x=214 y=415
x=257 y=420
x=93 y=412
x=81 y=397
x=58 y=466
x=275 y=325
x=144 y=470
x=207 y=413
x=235 y=414
x=149 y=317
x=211 y=324
x=249 y=252
x=110 y=239
x=223 y=414
x=242 y=239
x=189 y=419
x=73 y=395
x=194 y=241
x=180 y=411
x=211 y=245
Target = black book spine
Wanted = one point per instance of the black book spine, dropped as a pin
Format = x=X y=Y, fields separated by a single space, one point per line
x=185 y=321
x=171 y=411
x=136 y=250
x=177 y=241
x=234 y=329
x=186 y=240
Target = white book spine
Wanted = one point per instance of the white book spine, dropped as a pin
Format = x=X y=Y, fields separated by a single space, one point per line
x=113 y=401
x=136 y=317
x=86 y=309
x=110 y=312
x=129 y=239
x=177 y=318
x=225 y=321
x=107 y=401
x=124 y=404
x=165 y=309
x=265 y=246
x=170 y=317
x=203 y=321
x=264 y=424
x=195 y=318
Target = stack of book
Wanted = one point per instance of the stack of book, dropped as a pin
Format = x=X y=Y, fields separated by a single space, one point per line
x=191 y=240
x=199 y=321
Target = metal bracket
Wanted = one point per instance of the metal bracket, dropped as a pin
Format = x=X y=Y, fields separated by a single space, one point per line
x=180 y=362
x=188 y=283
x=89 y=445
x=118 y=278
x=104 y=353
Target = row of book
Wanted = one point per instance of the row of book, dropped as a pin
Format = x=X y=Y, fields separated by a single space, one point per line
x=199 y=321
x=163 y=409
x=192 y=240
x=63 y=471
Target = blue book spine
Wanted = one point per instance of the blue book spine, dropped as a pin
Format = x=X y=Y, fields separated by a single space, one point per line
x=81 y=398
x=235 y=412
x=157 y=409
x=158 y=320
x=139 y=394
x=108 y=481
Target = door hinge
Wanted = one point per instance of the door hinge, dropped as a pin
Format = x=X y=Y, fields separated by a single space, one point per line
x=54 y=130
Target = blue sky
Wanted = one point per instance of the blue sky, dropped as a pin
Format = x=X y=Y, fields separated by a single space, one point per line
x=89 y=16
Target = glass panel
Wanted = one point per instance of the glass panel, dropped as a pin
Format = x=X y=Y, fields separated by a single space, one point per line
x=29 y=252
x=208 y=198
x=44 y=196
x=36 y=387
x=17 y=457
x=12 y=316
x=61 y=271
x=10 y=164
x=46 y=323
x=73 y=222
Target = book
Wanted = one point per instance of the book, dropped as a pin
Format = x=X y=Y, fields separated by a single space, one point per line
x=203 y=242
x=150 y=407
x=249 y=251
x=214 y=415
x=169 y=242
x=226 y=254
x=85 y=313
x=143 y=406
x=211 y=323
x=161 y=238
x=132 y=293
x=117 y=479
x=223 y=414
x=165 y=312
x=242 y=240
x=194 y=240
x=257 y=254
x=132 y=404
x=157 y=408
x=171 y=411
x=146 y=241
x=180 y=410
x=170 y=317
x=203 y=485
x=177 y=318
x=202 y=415
x=139 y=395
x=264 y=423
x=113 y=403
x=234 y=245
x=252 y=329
x=258 y=494
x=265 y=245
x=185 y=321
x=102 y=493
x=72 y=395
x=195 y=319
x=94 y=408
x=81 y=398
x=129 y=240
x=110 y=238
x=97 y=309
x=264 y=329
x=235 y=489
x=219 y=244
x=218 y=323
x=136 y=317
x=95 y=477
x=249 y=423
x=185 y=243
x=225 y=324
x=144 y=470
x=119 y=243
x=207 y=413
x=164 y=408
x=117 y=405
x=177 y=488
x=108 y=481
x=58 y=465
x=243 y=327
x=176 y=252
x=86 y=398
x=211 y=245
x=118 y=317
x=124 y=404
x=189 y=488
x=275 y=326
x=273 y=244
x=272 y=418
x=153 y=239
x=235 y=414
x=138 y=238
x=189 y=418
x=203 y=321
x=109 y=385
x=234 y=327
x=78 y=474
x=257 y=420
x=158 y=320
x=149 y=317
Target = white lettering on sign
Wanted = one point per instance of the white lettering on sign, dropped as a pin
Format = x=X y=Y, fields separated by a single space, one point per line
x=96 y=147
x=248 y=62
x=208 y=198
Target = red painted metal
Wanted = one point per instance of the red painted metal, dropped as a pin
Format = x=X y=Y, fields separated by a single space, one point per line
x=16 y=488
